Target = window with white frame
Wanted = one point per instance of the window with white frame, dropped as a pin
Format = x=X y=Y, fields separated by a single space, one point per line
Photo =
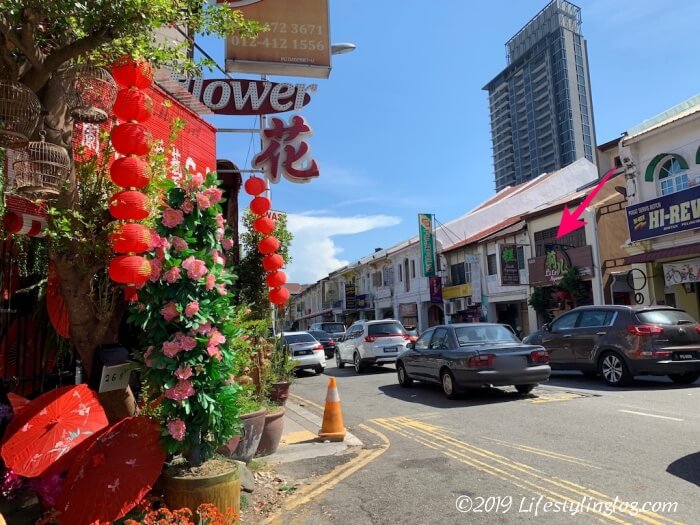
x=491 y=264
x=467 y=273
x=413 y=268
x=377 y=279
x=400 y=274
x=672 y=177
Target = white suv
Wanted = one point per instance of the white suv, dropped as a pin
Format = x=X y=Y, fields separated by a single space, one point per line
x=371 y=343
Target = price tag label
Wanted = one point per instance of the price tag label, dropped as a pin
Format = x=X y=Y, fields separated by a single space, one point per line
x=115 y=377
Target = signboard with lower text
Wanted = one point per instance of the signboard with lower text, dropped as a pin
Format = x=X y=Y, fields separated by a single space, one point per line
x=297 y=43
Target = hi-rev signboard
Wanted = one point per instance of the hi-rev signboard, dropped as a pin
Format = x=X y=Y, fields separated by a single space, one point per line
x=672 y=213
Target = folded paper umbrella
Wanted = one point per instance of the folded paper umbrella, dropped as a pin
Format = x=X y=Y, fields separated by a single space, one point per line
x=113 y=474
x=17 y=402
x=51 y=426
x=55 y=304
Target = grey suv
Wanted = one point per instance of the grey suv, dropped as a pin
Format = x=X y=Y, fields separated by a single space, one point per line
x=619 y=342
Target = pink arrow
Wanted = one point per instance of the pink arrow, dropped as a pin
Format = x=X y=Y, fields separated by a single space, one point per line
x=570 y=222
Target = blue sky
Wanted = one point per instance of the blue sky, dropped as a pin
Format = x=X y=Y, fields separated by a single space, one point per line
x=401 y=127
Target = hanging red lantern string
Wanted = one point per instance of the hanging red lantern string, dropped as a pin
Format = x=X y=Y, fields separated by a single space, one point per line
x=132 y=140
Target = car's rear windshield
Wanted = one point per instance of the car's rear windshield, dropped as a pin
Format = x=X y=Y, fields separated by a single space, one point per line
x=333 y=327
x=385 y=329
x=299 y=338
x=467 y=335
x=319 y=334
x=665 y=317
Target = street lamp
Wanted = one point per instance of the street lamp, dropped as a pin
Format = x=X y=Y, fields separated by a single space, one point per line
x=342 y=47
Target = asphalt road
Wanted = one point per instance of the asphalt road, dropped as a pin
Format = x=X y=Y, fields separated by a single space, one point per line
x=574 y=451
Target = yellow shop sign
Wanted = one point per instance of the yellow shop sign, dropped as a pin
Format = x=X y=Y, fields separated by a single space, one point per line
x=452 y=292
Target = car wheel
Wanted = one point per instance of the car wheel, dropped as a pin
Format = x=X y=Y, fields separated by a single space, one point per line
x=684 y=379
x=359 y=367
x=524 y=389
x=404 y=380
x=338 y=361
x=613 y=369
x=449 y=385
x=319 y=370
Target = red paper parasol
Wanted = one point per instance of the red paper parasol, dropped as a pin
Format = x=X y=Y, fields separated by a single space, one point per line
x=113 y=474
x=56 y=305
x=17 y=402
x=51 y=426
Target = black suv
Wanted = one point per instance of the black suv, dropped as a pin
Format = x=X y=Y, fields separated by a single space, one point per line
x=619 y=342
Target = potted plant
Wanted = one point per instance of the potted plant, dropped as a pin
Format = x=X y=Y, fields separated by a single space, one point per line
x=189 y=324
x=279 y=373
x=272 y=431
x=243 y=446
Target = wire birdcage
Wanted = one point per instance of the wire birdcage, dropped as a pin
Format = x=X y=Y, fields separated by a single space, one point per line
x=19 y=114
x=41 y=169
x=90 y=93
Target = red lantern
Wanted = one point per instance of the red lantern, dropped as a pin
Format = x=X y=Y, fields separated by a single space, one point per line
x=279 y=295
x=133 y=105
x=260 y=205
x=131 y=138
x=268 y=245
x=254 y=186
x=276 y=279
x=129 y=269
x=273 y=262
x=129 y=205
x=133 y=72
x=130 y=172
x=264 y=225
x=131 y=238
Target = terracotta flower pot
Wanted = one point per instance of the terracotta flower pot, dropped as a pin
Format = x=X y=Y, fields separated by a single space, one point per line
x=242 y=448
x=272 y=432
x=218 y=482
x=279 y=392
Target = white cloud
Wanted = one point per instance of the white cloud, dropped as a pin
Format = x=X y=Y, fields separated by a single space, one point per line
x=314 y=253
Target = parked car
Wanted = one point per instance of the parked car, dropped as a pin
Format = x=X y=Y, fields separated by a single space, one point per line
x=412 y=332
x=326 y=340
x=471 y=355
x=371 y=343
x=620 y=342
x=332 y=328
x=307 y=351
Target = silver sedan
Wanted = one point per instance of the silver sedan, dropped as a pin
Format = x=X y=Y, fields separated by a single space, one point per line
x=470 y=355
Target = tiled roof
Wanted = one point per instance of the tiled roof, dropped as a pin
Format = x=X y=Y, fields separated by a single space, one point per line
x=677 y=112
x=483 y=233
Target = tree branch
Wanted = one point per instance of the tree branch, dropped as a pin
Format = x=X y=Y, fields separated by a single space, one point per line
x=35 y=79
x=16 y=40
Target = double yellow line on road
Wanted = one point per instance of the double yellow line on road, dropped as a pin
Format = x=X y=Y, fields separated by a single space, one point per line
x=530 y=479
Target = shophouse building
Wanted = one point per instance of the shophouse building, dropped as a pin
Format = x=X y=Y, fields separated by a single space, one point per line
x=661 y=158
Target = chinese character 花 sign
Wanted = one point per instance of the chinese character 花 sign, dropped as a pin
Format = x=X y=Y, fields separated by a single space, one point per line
x=285 y=153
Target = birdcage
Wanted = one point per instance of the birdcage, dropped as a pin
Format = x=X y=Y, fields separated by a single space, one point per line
x=40 y=169
x=19 y=114
x=90 y=93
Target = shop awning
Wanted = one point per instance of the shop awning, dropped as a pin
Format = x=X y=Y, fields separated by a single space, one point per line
x=655 y=255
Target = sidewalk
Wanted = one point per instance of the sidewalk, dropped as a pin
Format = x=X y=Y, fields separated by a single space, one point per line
x=300 y=438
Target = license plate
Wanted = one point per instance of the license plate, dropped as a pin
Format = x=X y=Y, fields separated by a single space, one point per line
x=390 y=349
x=511 y=362
x=683 y=357
x=302 y=352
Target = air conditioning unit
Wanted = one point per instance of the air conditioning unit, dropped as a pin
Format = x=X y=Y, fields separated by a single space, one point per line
x=469 y=301
x=459 y=304
x=449 y=308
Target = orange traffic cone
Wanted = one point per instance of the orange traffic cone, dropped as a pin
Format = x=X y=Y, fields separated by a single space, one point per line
x=332 y=428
